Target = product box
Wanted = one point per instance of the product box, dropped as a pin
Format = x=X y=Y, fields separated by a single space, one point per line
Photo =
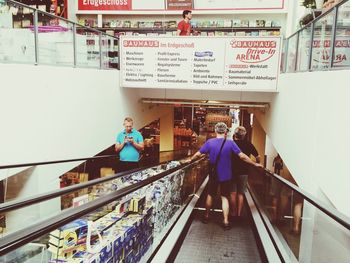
x=129 y=258
x=83 y=257
x=68 y=237
x=138 y=204
x=106 y=253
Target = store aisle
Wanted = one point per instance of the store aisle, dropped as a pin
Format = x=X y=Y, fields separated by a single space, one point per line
x=210 y=243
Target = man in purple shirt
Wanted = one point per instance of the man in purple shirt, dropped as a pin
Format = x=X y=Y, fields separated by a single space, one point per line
x=224 y=169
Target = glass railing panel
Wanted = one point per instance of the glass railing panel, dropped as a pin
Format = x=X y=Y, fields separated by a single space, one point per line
x=109 y=52
x=87 y=48
x=321 y=52
x=17 y=43
x=129 y=227
x=292 y=53
x=283 y=56
x=55 y=41
x=283 y=208
x=306 y=233
x=304 y=49
x=325 y=239
x=342 y=38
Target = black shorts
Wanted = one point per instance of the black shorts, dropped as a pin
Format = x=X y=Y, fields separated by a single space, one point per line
x=126 y=166
x=239 y=183
x=214 y=185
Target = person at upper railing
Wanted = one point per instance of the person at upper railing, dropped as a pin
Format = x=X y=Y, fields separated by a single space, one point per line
x=184 y=27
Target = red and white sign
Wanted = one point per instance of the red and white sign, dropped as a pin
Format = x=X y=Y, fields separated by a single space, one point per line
x=104 y=5
x=206 y=63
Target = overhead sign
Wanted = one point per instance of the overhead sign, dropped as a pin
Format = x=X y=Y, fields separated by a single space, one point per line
x=220 y=63
x=104 y=5
x=179 y=4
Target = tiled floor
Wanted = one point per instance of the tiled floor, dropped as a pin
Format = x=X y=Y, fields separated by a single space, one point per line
x=210 y=243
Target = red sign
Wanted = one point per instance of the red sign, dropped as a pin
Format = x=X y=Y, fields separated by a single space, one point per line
x=140 y=43
x=104 y=5
x=179 y=4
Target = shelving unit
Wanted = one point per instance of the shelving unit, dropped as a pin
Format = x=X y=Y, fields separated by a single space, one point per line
x=258 y=30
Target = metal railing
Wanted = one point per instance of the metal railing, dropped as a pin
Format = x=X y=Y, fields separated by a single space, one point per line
x=19 y=238
x=323 y=44
x=32 y=36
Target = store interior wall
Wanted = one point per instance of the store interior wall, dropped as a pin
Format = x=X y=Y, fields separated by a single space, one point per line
x=270 y=152
x=167 y=130
x=259 y=139
x=308 y=124
x=56 y=113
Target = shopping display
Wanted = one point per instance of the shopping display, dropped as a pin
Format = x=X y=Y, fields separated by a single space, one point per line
x=126 y=229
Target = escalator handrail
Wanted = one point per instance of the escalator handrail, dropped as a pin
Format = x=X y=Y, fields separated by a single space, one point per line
x=30 y=233
x=11 y=166
x=17 y=204
x=330 y=211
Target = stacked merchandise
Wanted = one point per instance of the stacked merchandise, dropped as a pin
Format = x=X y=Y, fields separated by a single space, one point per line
x=166 y=199
x=116 y=237
x=205 y=27
x=124 y=230
x=72 y=178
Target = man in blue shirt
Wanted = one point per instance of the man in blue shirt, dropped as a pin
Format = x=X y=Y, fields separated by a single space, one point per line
x=129 y=143
x=224 y=169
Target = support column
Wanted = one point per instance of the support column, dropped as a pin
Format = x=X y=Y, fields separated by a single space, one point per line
x=167 y=130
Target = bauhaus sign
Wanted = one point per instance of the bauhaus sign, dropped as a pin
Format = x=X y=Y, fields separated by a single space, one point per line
x=218 y=63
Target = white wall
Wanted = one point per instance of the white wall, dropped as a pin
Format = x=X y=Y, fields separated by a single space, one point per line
x=308 y=123
x=54 y=113
x=50 y=113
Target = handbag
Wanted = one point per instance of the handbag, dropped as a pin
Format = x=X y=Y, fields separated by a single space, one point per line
x=213 y=167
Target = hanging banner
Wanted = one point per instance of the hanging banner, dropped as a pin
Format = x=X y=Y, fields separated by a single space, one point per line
x=179 y=4
x=104 y=5
x=220 y=63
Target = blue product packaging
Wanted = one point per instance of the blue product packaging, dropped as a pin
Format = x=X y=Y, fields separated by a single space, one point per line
x=106 y=253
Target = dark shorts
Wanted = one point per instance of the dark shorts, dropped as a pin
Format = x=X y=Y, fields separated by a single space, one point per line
x=239 y=183
x=214 y=185
x=126 y=166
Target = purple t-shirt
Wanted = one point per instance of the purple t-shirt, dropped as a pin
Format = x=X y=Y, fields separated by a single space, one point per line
x=212 y=147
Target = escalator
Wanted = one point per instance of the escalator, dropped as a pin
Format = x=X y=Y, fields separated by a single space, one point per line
x=154 y=214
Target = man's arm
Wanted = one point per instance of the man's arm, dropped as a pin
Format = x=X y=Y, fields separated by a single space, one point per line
x=139 y=146
x=120 y=143
x=255 y=153
x=196 y=156
x=246 y=159
x=179 y=29
x=119 y=146
x=257 y=159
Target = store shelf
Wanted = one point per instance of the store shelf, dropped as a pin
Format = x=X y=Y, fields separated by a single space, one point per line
x=195 y=28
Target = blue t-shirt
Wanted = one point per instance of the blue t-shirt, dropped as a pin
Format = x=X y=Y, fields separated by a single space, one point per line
x=224 y=167
x=129 y=153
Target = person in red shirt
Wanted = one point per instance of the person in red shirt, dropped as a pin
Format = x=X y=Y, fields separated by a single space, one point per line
x=184 y=27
